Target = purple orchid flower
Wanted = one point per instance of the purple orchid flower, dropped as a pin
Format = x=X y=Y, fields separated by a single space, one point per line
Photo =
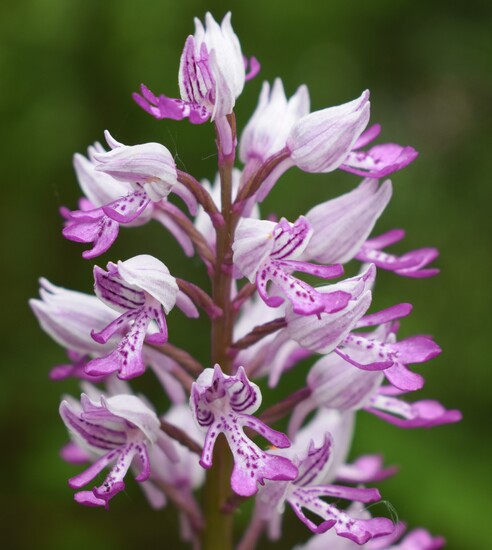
x=171 y=463
x=149 y=168
x=315 y=142
x=90 y=224
x=317 y=464
x=341 y=228
x=334 y=384
x=69 y=317
x=266 y=251
x=119 y=430
x=306 y=334
x=407 y=265
x=138 y=288
x=211 y=76
x=321 y=141
x=379 y=350
x=127 y=185
x=224 y=404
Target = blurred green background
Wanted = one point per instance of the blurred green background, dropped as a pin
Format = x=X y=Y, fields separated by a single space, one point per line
x=68 y=68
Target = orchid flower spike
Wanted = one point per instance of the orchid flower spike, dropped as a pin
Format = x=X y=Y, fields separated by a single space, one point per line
x=266 y=316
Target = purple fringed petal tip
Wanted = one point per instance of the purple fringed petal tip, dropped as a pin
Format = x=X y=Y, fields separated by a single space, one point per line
x=254 y=67
x=166 y=107
x=379 y=161
x=417 y=349
x=385 y=315
x=222 y=404
x=91 y=227
x=420 y=414
x=88 y=498
x=411 y=264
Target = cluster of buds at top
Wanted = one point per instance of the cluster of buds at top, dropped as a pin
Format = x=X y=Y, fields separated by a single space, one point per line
x=265 y=316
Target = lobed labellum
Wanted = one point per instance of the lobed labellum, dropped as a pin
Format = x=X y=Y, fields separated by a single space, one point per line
x=221 y=404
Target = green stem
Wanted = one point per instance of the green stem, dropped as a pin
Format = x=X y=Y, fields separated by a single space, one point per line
x=219 y=526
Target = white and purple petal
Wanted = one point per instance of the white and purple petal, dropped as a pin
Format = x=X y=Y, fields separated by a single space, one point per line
x=320 y=141
x=341 y=225
x=151 y=165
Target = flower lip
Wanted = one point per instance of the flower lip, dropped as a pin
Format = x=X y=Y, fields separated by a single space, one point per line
x=224 y=404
